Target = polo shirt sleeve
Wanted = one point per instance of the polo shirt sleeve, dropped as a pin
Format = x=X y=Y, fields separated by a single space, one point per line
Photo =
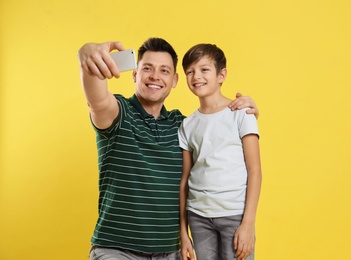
x=115 y=122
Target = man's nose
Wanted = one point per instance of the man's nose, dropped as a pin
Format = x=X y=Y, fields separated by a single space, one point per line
x=154 y=75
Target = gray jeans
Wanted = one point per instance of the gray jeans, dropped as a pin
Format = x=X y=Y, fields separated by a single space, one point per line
x=214 y=237
x=104 y=253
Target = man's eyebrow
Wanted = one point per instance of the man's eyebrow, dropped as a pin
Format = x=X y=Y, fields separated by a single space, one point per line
x=166 y=66
x=152 y=65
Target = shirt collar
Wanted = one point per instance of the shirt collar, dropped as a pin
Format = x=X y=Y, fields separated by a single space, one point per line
x=136 y=104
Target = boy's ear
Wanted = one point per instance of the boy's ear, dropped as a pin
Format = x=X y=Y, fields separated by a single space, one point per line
x=222 y=75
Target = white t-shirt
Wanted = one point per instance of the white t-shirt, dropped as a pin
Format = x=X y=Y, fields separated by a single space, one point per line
x=218 y=178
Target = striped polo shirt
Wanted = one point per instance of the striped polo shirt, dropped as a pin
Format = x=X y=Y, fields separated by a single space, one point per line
x=140 y=165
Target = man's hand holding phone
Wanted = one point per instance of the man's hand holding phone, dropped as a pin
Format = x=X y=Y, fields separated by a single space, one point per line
x=96 y=59
x=125 y=60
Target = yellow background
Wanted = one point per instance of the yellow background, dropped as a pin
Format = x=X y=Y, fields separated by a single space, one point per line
x=292 y=57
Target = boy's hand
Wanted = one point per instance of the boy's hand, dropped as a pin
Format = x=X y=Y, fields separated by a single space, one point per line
x=244 y=241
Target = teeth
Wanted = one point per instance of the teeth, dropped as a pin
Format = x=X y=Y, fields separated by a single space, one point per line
x=199 y=84
x=154 y=86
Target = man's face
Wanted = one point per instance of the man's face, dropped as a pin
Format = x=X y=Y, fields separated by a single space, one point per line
x=155 y=77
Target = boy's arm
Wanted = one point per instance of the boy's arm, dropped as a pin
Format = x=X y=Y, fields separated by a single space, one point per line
x=186 y=245
x=243 y=102
x=96 y=65
x=244 y=238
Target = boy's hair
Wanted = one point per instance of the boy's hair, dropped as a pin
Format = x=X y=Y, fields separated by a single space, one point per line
x=158 y=45
x=198 y=51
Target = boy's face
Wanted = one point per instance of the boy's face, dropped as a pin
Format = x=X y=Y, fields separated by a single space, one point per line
x=202 y=77
x=155 y=76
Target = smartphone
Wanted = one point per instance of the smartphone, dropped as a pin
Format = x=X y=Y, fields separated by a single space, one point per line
x=125 y=60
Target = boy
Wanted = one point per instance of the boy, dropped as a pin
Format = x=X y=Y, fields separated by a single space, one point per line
x=221 y=176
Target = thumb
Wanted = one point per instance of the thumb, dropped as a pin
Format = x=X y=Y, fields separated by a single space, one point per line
x=235 y=241
x=238 y=95
x=116 y=46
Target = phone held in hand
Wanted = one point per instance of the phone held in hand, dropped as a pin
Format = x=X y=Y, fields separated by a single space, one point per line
x=125 y=60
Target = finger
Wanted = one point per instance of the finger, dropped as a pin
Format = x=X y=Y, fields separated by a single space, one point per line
x=100 y=68
x=111 y=66
x=251 y=111
x=235 y=241
x=94 y=70
x=86 y=69
x=116 y=46
x=235 y=104
x=246 y=103
x=238 y=253
x=109 y=61
x=192 y=255
x=238 y=95
x=241 y=102
x=239 y=250
x=238 y=104
x=245 y=252
x=241 y=255
x=106 y=65
x=250 y=249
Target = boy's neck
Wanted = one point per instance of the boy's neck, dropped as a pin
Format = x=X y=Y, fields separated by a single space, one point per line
x=210 y=105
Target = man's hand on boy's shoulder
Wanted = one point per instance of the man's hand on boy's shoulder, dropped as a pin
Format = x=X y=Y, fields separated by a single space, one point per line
x=242 y=102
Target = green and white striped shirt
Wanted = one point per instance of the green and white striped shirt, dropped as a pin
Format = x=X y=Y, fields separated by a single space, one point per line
x=140 y=165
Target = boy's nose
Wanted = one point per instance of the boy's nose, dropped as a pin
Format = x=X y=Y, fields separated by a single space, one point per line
x=197 y=74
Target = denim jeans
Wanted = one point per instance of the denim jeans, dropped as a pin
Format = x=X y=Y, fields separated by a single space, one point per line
x=214 y=237
x=104 y=253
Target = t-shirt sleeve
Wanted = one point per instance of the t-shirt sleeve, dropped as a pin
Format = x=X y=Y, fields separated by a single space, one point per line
x=183 y=142
x=247 y=124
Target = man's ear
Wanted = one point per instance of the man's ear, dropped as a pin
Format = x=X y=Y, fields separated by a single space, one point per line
x=134 y=75
x=175 y=80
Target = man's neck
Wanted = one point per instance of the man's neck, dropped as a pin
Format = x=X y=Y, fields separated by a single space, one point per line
x=152 y=108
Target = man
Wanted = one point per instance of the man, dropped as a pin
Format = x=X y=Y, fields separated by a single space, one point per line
x=140 y=162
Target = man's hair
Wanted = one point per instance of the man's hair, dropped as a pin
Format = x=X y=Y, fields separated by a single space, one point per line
x=198 y=51
x=158 y=45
